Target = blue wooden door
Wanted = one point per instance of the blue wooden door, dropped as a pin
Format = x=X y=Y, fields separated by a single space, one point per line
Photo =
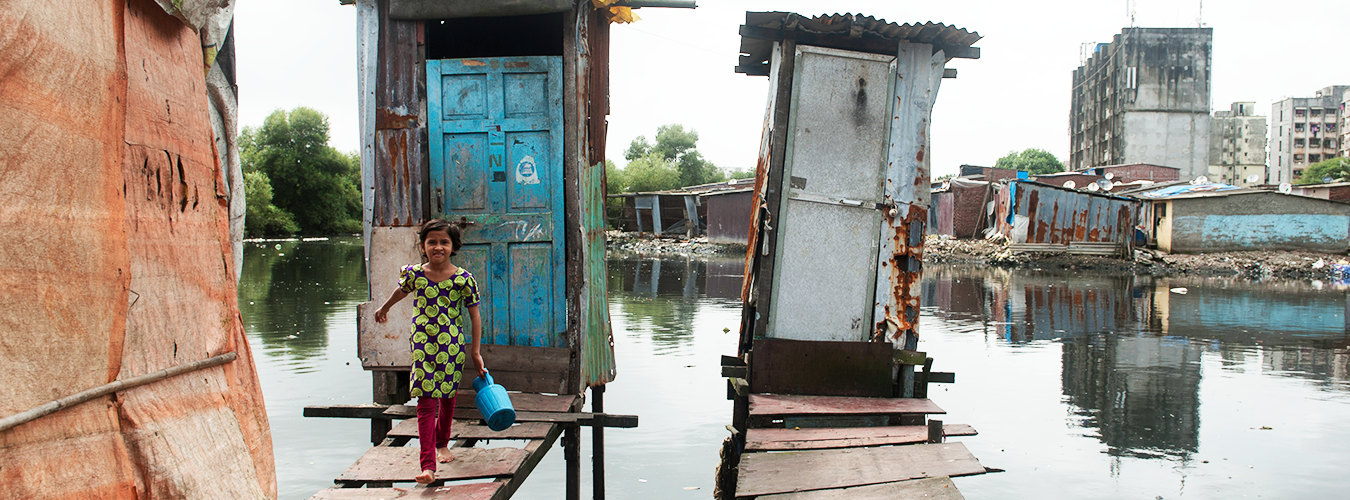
x=496 y=161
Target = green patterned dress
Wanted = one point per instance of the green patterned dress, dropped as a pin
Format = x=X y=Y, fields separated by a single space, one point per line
x=439 y=331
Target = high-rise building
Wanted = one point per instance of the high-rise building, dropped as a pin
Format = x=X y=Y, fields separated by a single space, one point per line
x=1237 y=146
x=1304 y=131
x=1345 y=125
x=1144 y=98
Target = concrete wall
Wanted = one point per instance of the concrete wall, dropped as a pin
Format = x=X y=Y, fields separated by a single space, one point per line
x=1168 y=138
x=1141 y=172
x=1256 y=221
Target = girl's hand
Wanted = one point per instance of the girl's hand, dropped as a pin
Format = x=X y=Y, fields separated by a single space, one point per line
x=382 y=315
x=478 y=358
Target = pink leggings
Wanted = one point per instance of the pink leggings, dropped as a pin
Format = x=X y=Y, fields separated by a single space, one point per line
x=433 y=427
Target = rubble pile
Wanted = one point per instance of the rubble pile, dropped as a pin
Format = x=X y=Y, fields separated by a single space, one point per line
x=646 y=243
x=943 y=248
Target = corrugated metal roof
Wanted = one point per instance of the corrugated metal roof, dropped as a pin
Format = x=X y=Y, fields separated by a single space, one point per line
x=845 y=31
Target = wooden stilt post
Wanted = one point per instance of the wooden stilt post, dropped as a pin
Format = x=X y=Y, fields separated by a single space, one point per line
x=572 y=454
x=598 y=442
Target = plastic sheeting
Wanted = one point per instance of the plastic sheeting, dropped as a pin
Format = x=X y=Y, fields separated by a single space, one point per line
x=116 y=261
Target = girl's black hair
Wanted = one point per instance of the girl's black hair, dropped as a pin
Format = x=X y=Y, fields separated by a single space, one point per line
x=451 y=229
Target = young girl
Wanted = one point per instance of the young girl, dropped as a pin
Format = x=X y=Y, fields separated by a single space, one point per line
x=438 y=337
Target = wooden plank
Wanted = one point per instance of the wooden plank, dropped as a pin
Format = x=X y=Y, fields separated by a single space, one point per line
x=578 y=418
x=400 y=464
x=517 y=368
x=782 y=404
x=465 y=430
x=470 y=491
x=768 y=473
x=931 y=488
x=524 y=401
x=828 y=368
x=827 y=438
x=536 y=449
x=347 y=411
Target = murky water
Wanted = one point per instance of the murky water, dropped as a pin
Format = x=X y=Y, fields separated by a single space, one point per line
x=1082 y=386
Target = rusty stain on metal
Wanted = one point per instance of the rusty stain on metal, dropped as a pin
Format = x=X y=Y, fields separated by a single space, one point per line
x=388 y=120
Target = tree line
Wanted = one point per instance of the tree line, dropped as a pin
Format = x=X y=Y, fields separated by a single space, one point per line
x=294 y=182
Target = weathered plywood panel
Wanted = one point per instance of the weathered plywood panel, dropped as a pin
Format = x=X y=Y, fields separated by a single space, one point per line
x=826 y=368
x=400 y=464
x=795 y=471
x=385 y=345
x=472 y=491
x=847 y=437
x=932 y=488
x=777 y=405
x=464 y=430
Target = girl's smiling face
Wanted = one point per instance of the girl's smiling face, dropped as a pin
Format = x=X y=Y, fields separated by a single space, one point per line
x=437 y=247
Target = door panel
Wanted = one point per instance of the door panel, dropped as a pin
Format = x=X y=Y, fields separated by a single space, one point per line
x=497 y=163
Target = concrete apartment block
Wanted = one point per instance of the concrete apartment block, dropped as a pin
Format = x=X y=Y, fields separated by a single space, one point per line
x=1305 y=130
x=1237 y=146
x=1144 y=98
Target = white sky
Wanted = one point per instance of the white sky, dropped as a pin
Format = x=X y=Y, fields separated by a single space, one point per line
x=676 y=66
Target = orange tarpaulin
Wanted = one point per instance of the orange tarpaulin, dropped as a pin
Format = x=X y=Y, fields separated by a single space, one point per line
x=115 y=262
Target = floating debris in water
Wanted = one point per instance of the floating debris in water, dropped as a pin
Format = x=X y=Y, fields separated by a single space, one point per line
x=1180 y=290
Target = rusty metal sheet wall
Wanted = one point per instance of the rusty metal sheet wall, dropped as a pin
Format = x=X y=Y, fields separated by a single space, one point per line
x=945 y=213
x=832 y=179
x=398 y=180
x=597 y=339
x=729 y=216
x=1063 y=216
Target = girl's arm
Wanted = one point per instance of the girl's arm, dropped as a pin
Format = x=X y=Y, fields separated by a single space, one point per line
x=382 y=315
x=477 y=325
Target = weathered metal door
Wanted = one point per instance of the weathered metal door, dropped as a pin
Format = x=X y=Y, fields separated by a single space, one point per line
x=496 y=162
x=833 y=175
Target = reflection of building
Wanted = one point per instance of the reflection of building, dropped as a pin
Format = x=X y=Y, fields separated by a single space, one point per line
x=1303 y=132
x=1142 y=392
x=1237 y=146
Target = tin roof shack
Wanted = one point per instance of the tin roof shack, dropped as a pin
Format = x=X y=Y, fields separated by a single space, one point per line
x=491 y=114
x=1335 y=191
x=1080 y=180
x=960 y=208
x=991 y=174
x=660 y=212
x=1043 y=217
x=728 y=215
x=842 y=187
x=1125 y=174
x=121 y=171
x=1249 y=219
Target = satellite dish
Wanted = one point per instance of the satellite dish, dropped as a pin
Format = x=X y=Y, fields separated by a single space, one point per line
x=1093 y=187
x=1109 y=176
x=1200 y=180
x=1327 y=180
x=1070 y=184
x=1251 y=179
x=1106 y=184
x=1286 y=188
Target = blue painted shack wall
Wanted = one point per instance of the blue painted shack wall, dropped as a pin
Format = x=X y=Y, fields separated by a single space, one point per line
x=1258 y=221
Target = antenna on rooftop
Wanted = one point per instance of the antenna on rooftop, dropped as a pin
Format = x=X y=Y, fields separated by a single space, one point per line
x=1200 y=15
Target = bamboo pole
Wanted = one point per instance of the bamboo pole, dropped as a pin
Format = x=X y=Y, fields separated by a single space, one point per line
x=106 y=389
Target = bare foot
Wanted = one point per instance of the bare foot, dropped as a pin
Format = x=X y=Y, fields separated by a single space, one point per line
x=426 y=477
x=444 y=455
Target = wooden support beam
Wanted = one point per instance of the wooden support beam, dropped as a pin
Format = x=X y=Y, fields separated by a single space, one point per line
x=576 y=419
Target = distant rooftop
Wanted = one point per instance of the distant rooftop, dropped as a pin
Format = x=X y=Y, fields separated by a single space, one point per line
x=844 y=31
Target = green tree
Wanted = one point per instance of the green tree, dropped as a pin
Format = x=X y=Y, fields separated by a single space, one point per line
x=1337 y=169
x=650 y=173
x=310 y=180
x=677 y=147
x=262 y=218
x=1034 y=161
x=742 y=174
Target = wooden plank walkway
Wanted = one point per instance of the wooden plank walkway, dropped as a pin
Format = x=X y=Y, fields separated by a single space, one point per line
x=785 y=472
x=470 y=491
x=398 y=464
x=934 y=488
x=848 y=437
x=463 y=429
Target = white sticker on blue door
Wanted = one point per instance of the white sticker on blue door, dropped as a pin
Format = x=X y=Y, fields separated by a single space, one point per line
x=525 y=171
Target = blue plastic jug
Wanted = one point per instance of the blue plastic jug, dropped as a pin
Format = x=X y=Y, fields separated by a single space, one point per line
x=493 y=403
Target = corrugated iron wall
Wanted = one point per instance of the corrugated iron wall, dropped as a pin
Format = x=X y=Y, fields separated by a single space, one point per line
x=1063 y=216
x=399 y=175
x=729 y=216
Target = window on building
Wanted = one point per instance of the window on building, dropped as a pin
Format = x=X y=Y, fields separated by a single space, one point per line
x=1298 y=143
x=1317 y=111
x=1298 y=127
x=1314 y=158
x=1329 y=143
x=1331 y=127
x=1298 y=158
x=1300 y=112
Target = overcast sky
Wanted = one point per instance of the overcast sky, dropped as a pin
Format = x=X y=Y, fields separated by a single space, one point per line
x=676 y=66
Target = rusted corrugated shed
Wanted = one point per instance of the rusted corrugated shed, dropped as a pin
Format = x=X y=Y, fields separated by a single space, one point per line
x=398 y=174
x=127 y=273
x=729 y=215
x=1031 y=212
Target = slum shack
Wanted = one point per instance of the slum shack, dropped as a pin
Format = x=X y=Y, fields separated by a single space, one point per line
x=829 y=330
x=1037 y=217
x=1334 y=191
x=1223 y=218
x=727 y=216
x=127 y=373
x=961 y=208
x=491 y=115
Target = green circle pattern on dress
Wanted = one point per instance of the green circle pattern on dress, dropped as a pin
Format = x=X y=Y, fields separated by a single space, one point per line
x=437 y=331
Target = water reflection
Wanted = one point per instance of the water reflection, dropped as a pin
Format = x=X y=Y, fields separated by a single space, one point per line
x=1132 y=348
x=289 y=290
x=679 y=282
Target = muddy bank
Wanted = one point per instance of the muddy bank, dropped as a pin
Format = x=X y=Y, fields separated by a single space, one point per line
x=1254 y=265
x=649 y=245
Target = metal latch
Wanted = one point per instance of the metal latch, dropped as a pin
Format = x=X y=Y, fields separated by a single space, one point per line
x=835 y=200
